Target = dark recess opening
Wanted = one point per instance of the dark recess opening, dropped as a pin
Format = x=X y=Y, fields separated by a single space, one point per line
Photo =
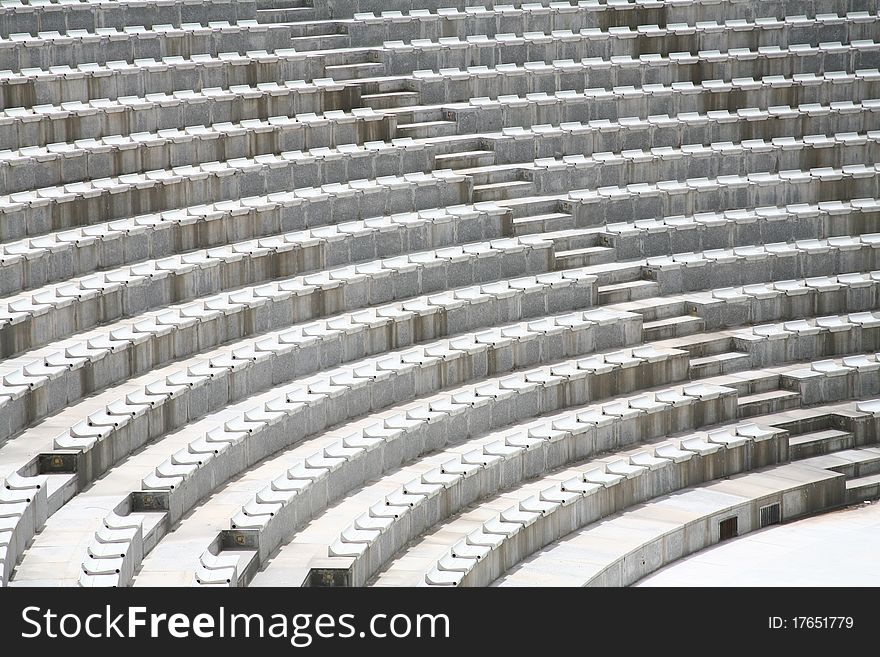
x=727 y=528
x=770 y=515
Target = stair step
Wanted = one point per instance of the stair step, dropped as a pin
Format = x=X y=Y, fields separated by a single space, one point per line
x=542 y=223
x=391 y=99
x=286 y=15
x=355 y=71
x=816 y=443
x=591 y=255
x=320 y=42
x=863 y=489
x=671 y=327
x=425 y=129
x=283 y=4
x=502 y=190
x=766 y=403
x=859 y=463
x=628 y=291
x=465 y=159
x=718 y=364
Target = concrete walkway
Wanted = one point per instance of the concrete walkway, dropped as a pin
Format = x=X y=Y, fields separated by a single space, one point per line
x=835 y=549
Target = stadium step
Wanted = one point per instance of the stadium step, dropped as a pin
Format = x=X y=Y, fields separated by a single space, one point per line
x=542 y=223
x=465 y=159
x=585 y=257
x=390 y=99
x=672 y=327
x=718 y=364
x=765 y=403
x=502 y=190
x=815 y=443
x=427 y=129
x=628 y=291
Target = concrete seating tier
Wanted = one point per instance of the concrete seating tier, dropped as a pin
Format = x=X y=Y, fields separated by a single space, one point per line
x=317 y=481
x=635 y=409
x=626 y=557
x=76 y=204
x=127 y=349
x=68 y=121
x=544 y=116
x=271 y=221
x=690 y=104
x=382 y=531
x=728 y=228
x=572 y=26
x=392 y=522
x=200 y=72
x=23 y=510
x=328 y=291
x=306 y=409
x=601 y=488
x=687 y=71
x=670 y=197
x=330 y=136
x=613 y=13
x=337 y=135
x=481 y=50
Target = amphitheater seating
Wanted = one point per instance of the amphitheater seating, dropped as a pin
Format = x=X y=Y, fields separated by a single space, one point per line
x=353 y=293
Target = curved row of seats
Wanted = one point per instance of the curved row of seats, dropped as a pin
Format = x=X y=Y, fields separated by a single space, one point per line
x=601 y=488
x=334 y=154
x=376 y=530
x=105 y=44
x=201 y=73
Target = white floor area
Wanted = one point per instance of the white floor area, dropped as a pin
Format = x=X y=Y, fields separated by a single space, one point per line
x=835 y=549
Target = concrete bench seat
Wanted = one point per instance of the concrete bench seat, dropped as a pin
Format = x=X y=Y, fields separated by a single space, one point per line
x=611 y=109
x=708 y=161
x=616 y=12
x=776 y=261
x=23 y=510
x=545 y=124
x=835 y=379
x=813 y=337
x=148 y=75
